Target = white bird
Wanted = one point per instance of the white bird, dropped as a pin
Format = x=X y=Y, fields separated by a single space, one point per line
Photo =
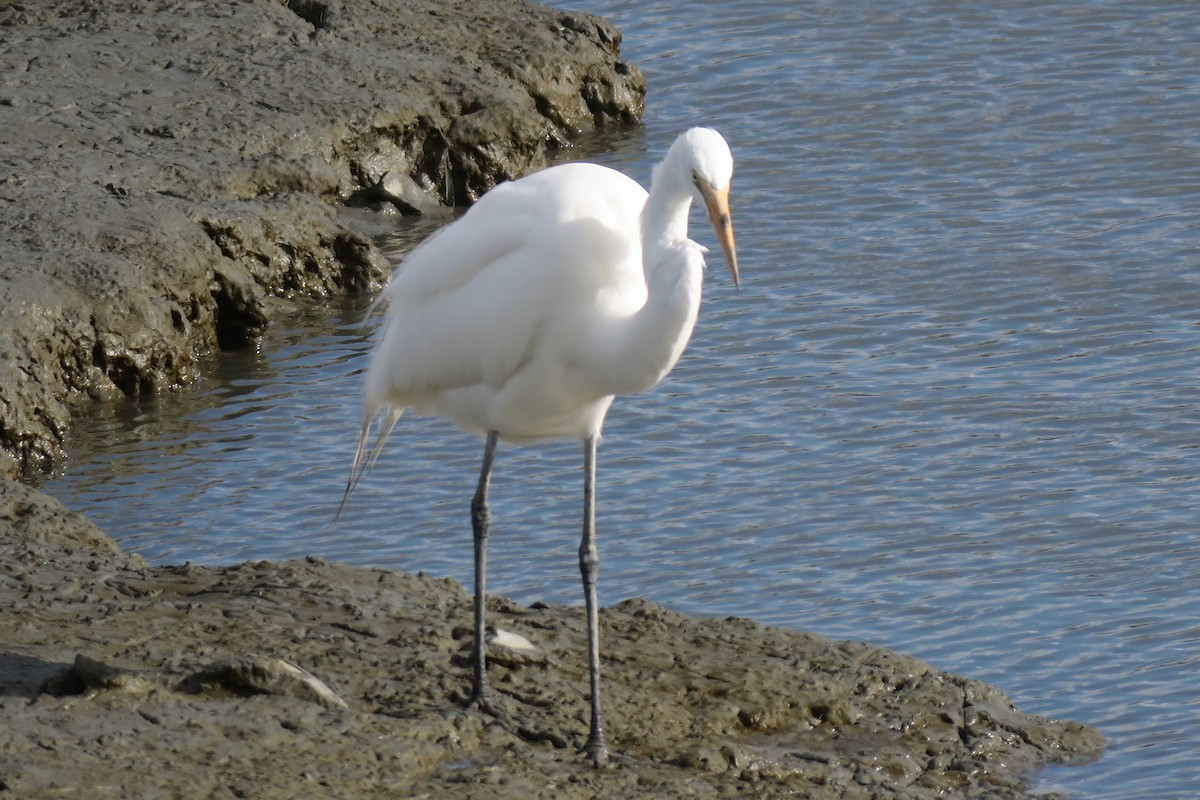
x=526 y=317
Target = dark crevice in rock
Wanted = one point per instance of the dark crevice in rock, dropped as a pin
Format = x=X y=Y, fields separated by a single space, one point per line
x=314 y=12
x=240 y=317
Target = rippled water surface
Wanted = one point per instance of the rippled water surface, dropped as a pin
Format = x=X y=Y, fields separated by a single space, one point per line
x=954 y=408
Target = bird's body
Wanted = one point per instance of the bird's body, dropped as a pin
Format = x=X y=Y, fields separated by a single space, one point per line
x=525 y=318
x=529 y=326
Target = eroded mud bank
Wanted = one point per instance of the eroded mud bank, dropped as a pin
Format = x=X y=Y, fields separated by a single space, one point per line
x=167 y=168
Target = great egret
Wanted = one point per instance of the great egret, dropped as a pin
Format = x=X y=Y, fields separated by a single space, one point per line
x=523 y=319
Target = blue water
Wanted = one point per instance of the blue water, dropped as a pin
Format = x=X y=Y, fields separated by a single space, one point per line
x=954 y=408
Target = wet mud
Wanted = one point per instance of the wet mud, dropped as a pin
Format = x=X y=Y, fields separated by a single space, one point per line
x=312 y=679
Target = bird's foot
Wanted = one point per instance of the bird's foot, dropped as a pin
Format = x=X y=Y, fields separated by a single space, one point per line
x=482 y=702
x=596 y=751
x=485 y=704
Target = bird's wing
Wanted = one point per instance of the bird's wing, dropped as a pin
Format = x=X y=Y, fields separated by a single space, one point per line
x=454 y=255
x=528 y=213
x=477 y=301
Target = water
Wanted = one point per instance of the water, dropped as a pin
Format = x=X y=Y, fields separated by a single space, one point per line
x=953 y=410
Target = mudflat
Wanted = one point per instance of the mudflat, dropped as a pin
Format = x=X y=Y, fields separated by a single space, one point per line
x=170 y=173
x=312 y=679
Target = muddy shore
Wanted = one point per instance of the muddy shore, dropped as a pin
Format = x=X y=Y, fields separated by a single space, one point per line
x=120 y=680
x=170 y=176
x=171 y=169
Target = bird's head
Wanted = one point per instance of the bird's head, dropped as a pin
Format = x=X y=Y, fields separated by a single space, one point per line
x=712 y=170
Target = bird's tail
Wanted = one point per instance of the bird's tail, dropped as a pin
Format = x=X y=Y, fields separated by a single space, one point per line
x=361 y=466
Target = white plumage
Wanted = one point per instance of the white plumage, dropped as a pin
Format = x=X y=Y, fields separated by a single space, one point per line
x=550 y=296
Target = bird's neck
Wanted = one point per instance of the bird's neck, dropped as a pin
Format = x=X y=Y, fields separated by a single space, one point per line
x=639 y=349
x=665 y=215
x=646 y=344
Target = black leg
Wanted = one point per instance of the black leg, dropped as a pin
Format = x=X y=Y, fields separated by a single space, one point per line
x=481 y=518
x=589 y=565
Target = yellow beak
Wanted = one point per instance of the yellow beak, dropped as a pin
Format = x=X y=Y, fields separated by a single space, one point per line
x=717 y=203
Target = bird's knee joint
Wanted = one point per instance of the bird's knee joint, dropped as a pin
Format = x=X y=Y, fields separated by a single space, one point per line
x=481 y=520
